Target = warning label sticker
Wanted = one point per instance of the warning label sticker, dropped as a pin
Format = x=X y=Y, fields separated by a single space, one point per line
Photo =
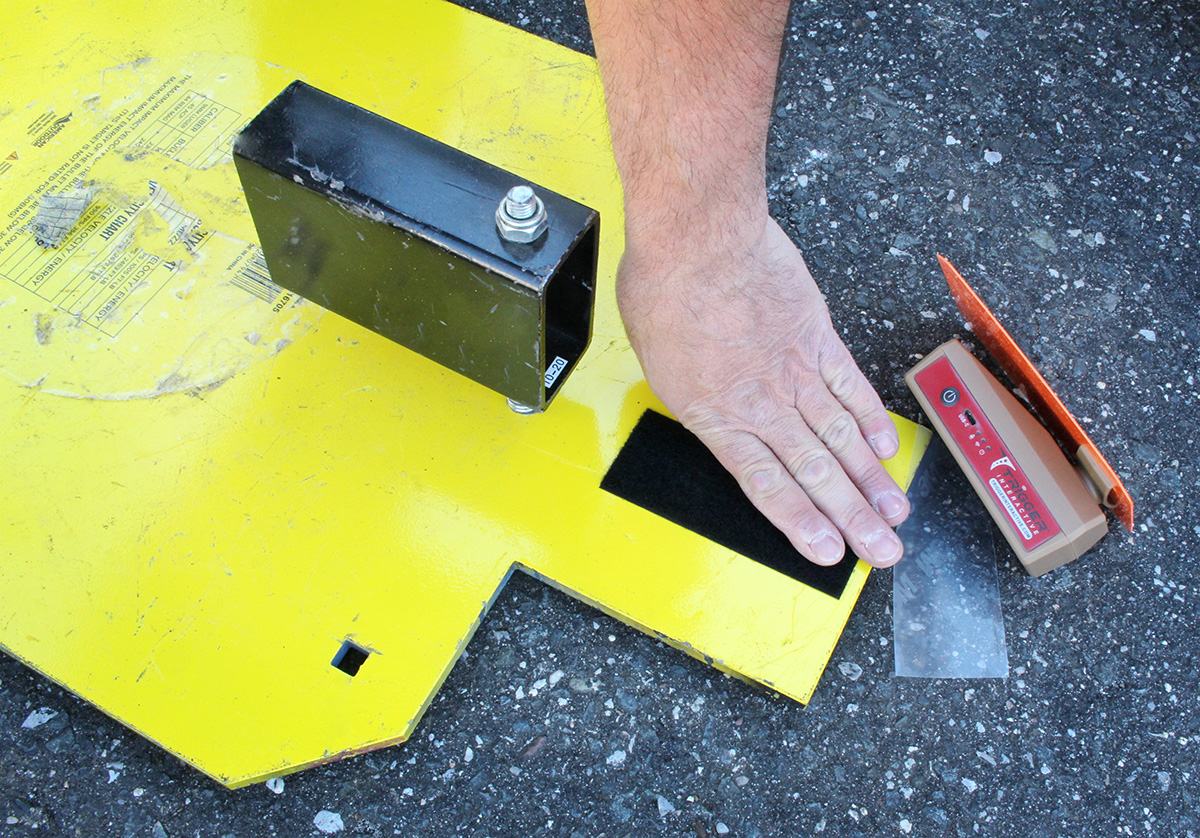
x=171 y=121
x=128 y=260
x=94 y=287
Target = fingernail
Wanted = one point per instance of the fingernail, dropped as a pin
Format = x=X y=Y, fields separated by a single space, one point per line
x=892 y=505
x=884 y=547
x=885 y=446
x=827 y=548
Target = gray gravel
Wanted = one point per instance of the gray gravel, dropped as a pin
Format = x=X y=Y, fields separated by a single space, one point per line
x=1050 y=150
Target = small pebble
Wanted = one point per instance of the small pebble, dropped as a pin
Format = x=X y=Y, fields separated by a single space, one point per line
x=38 y=718
x=328 y=822
x=1044 y=240
x=851 y=670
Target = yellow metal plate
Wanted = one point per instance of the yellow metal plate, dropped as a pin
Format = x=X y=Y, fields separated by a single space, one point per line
x=208 y=485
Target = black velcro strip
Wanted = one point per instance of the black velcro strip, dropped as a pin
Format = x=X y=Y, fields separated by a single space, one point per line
x=665 y=469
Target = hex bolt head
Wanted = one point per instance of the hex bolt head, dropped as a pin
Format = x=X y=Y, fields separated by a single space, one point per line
x=521 y=216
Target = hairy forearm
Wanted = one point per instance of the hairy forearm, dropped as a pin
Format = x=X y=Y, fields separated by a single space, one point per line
x=689 y=87
x=725 y=318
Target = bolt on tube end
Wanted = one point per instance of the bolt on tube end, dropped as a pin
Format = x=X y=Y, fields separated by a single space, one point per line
x=521 y=216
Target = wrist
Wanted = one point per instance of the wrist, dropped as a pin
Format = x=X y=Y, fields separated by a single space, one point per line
x=685 y=225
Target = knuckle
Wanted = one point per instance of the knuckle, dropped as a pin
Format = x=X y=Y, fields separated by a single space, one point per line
x=755 y=400
x=805 y=522
x=839 y=433
x=814 y=468
x=751 y=405
x=733 y=407
x=702 y=420
x=764 y=481
x=861 y=521
x=843 y=383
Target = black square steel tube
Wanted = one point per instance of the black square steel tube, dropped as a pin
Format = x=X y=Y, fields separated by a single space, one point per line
x=397 y=232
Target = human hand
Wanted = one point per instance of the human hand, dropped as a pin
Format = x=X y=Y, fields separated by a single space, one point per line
x=735 y=338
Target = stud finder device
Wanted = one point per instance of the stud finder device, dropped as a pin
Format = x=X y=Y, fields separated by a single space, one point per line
x=1050 y=509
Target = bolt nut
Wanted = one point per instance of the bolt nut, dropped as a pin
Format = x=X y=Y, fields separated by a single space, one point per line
x=523 y=409
x=521 y=216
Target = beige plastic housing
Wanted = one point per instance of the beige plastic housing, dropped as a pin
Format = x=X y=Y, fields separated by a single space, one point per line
x=1068 y=497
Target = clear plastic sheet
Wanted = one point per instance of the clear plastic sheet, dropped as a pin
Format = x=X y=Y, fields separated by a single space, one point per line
x=946 y=616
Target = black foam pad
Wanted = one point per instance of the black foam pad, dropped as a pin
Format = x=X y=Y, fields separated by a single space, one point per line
x=665 y=469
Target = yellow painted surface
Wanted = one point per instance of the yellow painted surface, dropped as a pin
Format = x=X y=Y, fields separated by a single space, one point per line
x=206 y=491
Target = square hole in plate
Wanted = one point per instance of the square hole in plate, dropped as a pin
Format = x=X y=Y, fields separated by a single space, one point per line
x=350 y=658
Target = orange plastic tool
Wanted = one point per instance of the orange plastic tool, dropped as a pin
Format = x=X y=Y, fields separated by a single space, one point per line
x=1049 y=407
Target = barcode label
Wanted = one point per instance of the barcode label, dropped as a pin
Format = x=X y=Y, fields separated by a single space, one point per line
x=256 y=279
